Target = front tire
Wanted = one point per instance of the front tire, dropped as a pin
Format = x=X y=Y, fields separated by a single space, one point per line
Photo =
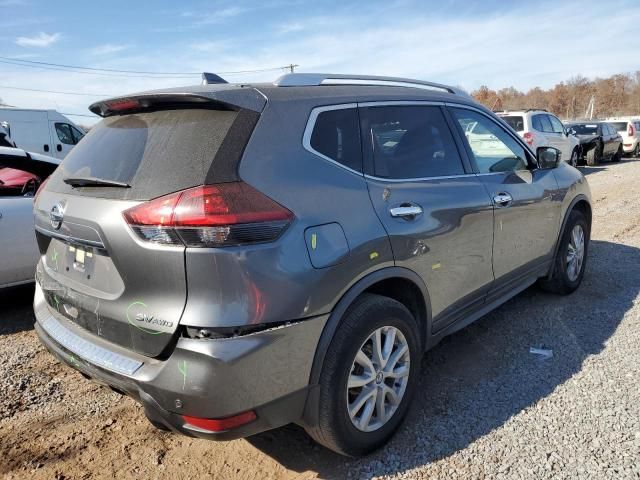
x=368 y=378
x=570 y=261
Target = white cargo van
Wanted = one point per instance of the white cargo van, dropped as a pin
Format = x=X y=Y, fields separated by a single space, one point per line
x=41 y=131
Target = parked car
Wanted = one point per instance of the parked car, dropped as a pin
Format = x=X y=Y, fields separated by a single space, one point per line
x=269 y=264
x=540 y=128
x=599 y=141
x=629 y=129
x=20 y=254
x=41 y=131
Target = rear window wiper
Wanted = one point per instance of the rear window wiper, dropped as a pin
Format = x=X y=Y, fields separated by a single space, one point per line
x=94 y=182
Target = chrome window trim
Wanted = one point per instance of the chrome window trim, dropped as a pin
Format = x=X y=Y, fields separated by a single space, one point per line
x=308 y=131
x=392 y=103
x=420 y=179
x=87 y=350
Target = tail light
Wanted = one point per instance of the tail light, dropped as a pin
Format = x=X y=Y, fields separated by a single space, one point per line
x=630 y=130
x=210 y=216
x=528 y=137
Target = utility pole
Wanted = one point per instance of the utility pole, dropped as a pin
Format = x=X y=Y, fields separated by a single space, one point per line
x=291 y=66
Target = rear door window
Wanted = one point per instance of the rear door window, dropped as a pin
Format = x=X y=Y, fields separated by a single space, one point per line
x=336 y=136
x=556 y=125
x=541 y=123
x=155 y=152
x=408 y=142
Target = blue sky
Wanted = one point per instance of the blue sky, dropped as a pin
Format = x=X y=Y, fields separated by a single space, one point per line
x=465 y=43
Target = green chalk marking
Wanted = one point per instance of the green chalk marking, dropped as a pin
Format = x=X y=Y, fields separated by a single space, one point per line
x=183 y=371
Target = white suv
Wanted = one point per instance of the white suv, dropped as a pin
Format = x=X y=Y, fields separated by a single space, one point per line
x=629 y=129
x=540 y=128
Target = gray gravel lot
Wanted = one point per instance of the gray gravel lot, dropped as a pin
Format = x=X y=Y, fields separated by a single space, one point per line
x=486 y=406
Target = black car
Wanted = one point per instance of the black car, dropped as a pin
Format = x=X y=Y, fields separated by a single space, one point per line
x=598 y=141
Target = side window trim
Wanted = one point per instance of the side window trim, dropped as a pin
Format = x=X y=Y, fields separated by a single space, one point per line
x=532 y=157
x=366 y=148
x=308 y=131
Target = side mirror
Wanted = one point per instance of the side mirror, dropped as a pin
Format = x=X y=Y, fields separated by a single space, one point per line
x=548 y=157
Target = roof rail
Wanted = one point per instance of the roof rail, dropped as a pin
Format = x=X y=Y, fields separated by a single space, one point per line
x=315 y=79
x=536 y=110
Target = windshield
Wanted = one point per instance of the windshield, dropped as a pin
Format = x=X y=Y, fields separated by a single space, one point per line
x=517 y=123
x=585 y=129
x=619 y=126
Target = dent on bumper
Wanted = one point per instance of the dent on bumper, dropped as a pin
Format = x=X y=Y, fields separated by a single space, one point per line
x=208 y=378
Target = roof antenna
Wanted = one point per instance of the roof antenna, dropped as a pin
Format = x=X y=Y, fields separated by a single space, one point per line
x=212 y=78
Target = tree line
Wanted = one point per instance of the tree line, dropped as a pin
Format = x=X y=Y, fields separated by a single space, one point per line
x=617 y=95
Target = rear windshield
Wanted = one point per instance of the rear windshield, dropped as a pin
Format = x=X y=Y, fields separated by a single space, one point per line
x=589 y=129
x=619 y=126
x=156 y=152
x=517 y=123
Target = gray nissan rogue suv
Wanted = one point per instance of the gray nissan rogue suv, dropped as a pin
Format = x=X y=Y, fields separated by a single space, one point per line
x=240 y=257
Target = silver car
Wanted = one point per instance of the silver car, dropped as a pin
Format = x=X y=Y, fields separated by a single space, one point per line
x=240 y=257
x=19 y=254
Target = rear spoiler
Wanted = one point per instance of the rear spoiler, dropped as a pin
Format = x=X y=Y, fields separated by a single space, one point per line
x=224 y=97
x=40 y=165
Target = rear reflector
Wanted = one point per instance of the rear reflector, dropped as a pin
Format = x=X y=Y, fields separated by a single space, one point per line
x=220 y=424
x=210 y=216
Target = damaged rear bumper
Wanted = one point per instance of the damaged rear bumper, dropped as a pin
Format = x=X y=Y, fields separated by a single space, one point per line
x=266 y=372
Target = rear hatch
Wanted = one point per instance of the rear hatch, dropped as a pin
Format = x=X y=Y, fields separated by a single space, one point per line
x=95 y=270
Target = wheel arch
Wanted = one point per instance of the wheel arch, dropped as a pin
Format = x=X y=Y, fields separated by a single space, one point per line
x=580 y=202
x=388 y=282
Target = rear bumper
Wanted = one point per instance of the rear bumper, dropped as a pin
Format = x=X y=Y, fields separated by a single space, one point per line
x=629 y=145
x=267 y=372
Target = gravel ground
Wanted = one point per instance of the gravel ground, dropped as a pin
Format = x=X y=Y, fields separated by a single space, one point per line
x=486 y=407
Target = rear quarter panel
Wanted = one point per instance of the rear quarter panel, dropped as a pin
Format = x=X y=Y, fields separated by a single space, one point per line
x=276 y=281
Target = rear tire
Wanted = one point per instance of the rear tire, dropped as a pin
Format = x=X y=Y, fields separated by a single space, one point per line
x=636 y=151
x=594 y=156
x=571 y=258
x=339 y=426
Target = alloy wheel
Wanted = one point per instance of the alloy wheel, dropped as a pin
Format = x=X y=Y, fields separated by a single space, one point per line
x=378 y=379
x=575 y=253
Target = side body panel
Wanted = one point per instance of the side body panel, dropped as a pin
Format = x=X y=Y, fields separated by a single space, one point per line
x=29 y=129
x=19 y=253
x=448 y=245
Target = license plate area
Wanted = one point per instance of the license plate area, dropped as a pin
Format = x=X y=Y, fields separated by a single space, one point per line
x=80 y=258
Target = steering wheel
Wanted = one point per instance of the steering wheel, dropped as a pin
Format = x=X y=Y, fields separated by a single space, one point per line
x=29 y=188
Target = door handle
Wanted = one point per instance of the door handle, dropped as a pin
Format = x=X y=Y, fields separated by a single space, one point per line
x=59 y=147
x=406 y=211
x=46 y=148
x=502 y=199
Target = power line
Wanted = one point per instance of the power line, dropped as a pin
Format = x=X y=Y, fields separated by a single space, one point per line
x=125 y=73
x=61 y=93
